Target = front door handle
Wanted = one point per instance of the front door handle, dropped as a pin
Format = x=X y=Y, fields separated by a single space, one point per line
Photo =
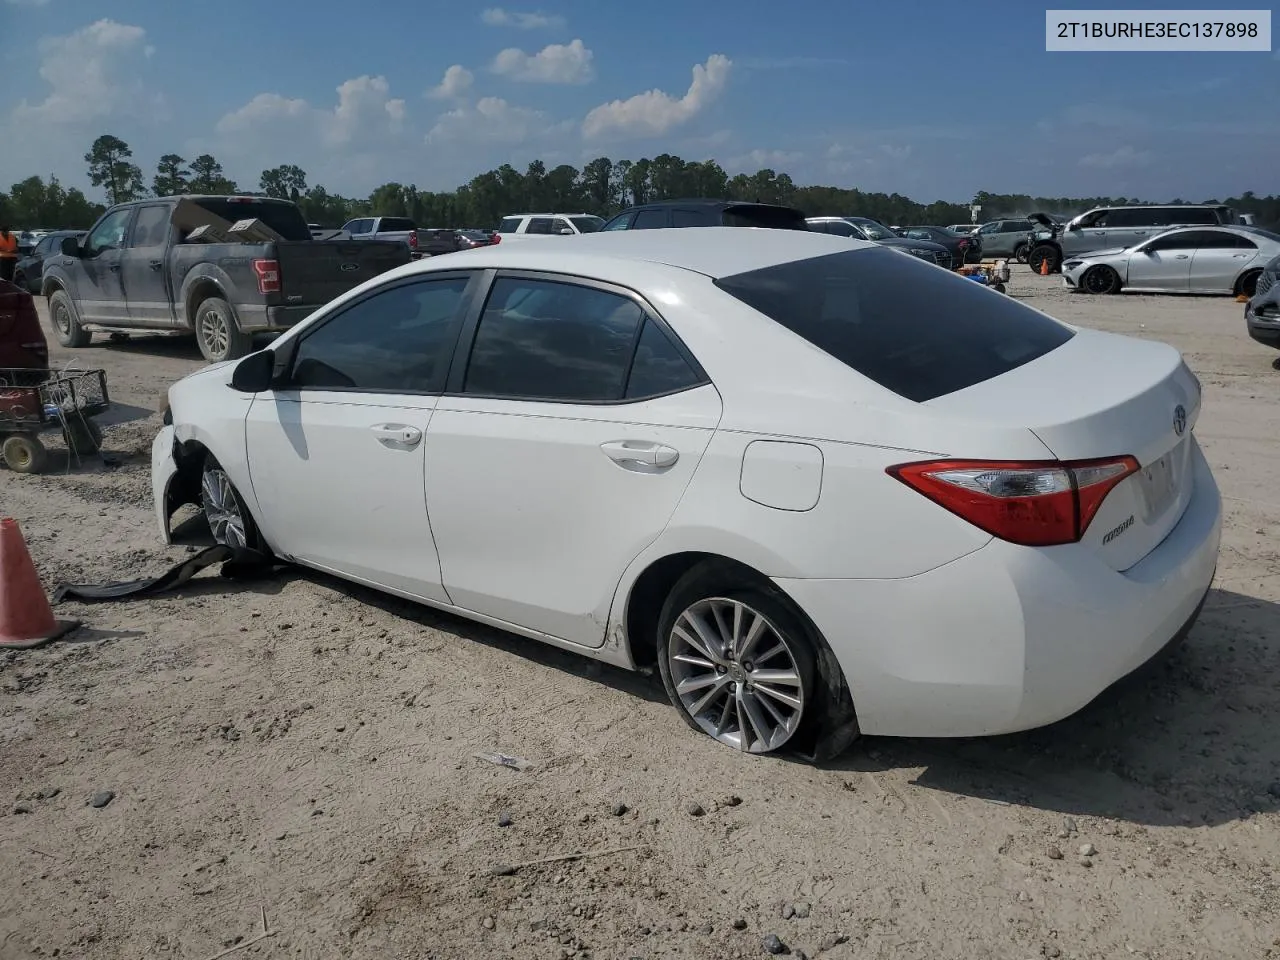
x=1181 y=256
x=156 y=264
x=400 y=433
x=630 y=452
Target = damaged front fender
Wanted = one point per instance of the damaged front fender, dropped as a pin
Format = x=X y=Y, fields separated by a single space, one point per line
x=175 y=479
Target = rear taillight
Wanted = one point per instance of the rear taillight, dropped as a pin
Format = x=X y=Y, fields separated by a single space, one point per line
x=496 y=238
x=1035 y=504
x=413 y=240
x=268 y=274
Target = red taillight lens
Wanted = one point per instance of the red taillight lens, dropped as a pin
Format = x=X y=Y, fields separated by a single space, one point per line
x=268 y=274
x=1035 y=504
x=413 y=240
x=496 y=238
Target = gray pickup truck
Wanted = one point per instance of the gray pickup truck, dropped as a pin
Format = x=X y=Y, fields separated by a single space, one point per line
x=136 y=270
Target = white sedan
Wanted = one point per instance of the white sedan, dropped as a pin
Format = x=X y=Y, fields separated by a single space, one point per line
x=1224 y=260
x=823 y=488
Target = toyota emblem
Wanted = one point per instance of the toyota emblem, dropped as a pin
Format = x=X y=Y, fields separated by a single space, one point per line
x=1179 y=420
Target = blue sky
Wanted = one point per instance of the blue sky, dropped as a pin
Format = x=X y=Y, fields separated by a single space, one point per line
x=934 y=100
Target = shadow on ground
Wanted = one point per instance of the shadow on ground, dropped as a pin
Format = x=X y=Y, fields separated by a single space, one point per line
x=1191 y=741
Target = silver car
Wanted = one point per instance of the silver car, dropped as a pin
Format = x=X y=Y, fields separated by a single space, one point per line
x=1224 y=259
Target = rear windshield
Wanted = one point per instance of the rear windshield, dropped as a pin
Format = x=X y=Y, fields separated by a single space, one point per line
x=284 y=218
x=772 y=217
x=908 y=325
x=587 y=224
x=395 y=224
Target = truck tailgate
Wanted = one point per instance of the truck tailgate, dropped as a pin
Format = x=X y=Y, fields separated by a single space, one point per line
x=315 y=272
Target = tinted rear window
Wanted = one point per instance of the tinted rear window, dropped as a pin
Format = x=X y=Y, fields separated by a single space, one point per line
x=770 y=217
x=284 y=218
x=911 y=327
x=395 y=224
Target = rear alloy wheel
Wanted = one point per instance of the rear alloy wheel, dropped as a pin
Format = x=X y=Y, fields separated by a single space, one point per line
x=218 y=334
x=228 y=518
x=1020 y=252
x=737 y=664
x=1100 y=279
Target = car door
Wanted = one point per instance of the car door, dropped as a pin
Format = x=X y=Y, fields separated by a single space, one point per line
x=561 y=450
x=1163 y=263
x=336 y=452
x=99 y=290
x=1219 y=259
x=143 y=270
x=991 y=236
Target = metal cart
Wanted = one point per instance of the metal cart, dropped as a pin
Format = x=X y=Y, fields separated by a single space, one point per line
x=33 y=402
x=993 y=273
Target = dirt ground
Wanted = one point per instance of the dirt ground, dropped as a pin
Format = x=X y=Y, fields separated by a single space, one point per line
x=301 y=754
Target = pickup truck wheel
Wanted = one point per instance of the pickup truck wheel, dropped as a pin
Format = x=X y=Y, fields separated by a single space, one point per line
x=66 y=326
x=218 y=334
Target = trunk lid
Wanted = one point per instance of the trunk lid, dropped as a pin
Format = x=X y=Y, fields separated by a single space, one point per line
x=1097 y=396
x=316 y=271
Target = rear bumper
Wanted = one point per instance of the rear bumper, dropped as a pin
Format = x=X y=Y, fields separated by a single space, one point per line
x=1262 y=318
x=1011 y=638
x=256 y=319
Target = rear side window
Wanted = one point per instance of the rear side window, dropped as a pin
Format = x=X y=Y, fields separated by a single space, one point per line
x=658 y=367
x=395 y=225
x=650 y=220
x=689 y=218
x=509 y=224
x=902 y=323
x=769 y=217
x=1196 y=215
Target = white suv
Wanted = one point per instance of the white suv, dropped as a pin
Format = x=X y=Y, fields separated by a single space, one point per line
x=521 y=225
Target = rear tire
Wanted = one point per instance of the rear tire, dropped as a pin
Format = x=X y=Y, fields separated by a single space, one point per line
x=1247 y=285
x=24 y=453
x=719 y=635
x=1100 y=280
x=66 y=324
x=218 y=332
x=1020 y=252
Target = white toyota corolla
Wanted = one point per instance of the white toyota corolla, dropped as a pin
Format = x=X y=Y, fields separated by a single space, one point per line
x=824 y=487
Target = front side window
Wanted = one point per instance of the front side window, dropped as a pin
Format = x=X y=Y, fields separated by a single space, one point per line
x=545 y=340
x=621 y=222
x=561 y=225
x=587 y=224
x=899 y=321
x=398 y=340
x=109 y=234
x=650 y=220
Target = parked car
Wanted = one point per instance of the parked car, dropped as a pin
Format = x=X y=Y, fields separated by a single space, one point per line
x=861 y=228
x=22 y=342
x=963 y=227
x=707 y=213
x=470 y=239
x=385 y=228
x=1226 y=260
x=1011 y=239
x=29 y=271
x=518 y=226
x=135 y=271
x=1262 y=312
x=697 y=494
x=966 y=248
x=434 y=241
x=1114 y=228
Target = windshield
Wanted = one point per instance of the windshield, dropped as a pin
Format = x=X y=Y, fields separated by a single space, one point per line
x=873 y=230
x=587 y=224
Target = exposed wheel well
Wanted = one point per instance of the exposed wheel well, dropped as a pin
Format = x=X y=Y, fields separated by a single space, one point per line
x=1248 y=281
x=201 y=291
x=49 y=287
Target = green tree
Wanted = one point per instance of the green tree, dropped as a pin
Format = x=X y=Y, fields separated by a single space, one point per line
x=284 y=182
x=170 y=179
x=110 y=166
x=207 y=177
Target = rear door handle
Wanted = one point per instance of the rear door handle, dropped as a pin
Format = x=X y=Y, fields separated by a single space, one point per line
x=630 y=452
x=156 y=264
x=400 y=433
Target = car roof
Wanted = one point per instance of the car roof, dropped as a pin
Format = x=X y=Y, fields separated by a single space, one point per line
x=512 y=216
x=712 y=251
x=707 y=202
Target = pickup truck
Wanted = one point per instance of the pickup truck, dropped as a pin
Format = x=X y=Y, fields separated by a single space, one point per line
x=401 y=229
x=137 y=270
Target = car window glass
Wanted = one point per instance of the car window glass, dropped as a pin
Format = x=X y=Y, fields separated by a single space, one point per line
x=688 y=218
x=650 y=220
x=45 y=246
x=544 y=340
x=621 y=222
x=561 y=223
x=109 y=234
x=841 y=229
x=150 y=227
x=990 y=228
x=899 y=321
x=1186 y=240
x=400 y=340
x=395 y=224
x=509 y=225
x=539 y=225
x=658 y=367
x=1190 y=215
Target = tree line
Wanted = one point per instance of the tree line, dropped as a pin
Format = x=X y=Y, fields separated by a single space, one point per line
x=602 y=187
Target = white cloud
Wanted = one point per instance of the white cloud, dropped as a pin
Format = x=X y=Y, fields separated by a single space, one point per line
x=365 y=109
x=654 y=112
x=1124 y=156
x=498 y=17
x=491 y=120
x=456 y=83
x=555 y=63
x=777 y=160
x=91 y=77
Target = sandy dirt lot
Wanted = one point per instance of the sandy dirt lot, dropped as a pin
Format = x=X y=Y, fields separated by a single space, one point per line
x=301 y=752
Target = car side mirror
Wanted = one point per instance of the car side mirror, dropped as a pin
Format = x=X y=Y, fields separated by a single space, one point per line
x=565 y=232
x=1073 y=226
x=70 y=247
x=255 y=373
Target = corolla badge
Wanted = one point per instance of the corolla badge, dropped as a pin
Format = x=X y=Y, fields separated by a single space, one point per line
x=1179 y=420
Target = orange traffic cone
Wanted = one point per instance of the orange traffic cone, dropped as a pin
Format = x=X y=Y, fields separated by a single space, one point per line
x=26 y=619
x=1044 y=267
